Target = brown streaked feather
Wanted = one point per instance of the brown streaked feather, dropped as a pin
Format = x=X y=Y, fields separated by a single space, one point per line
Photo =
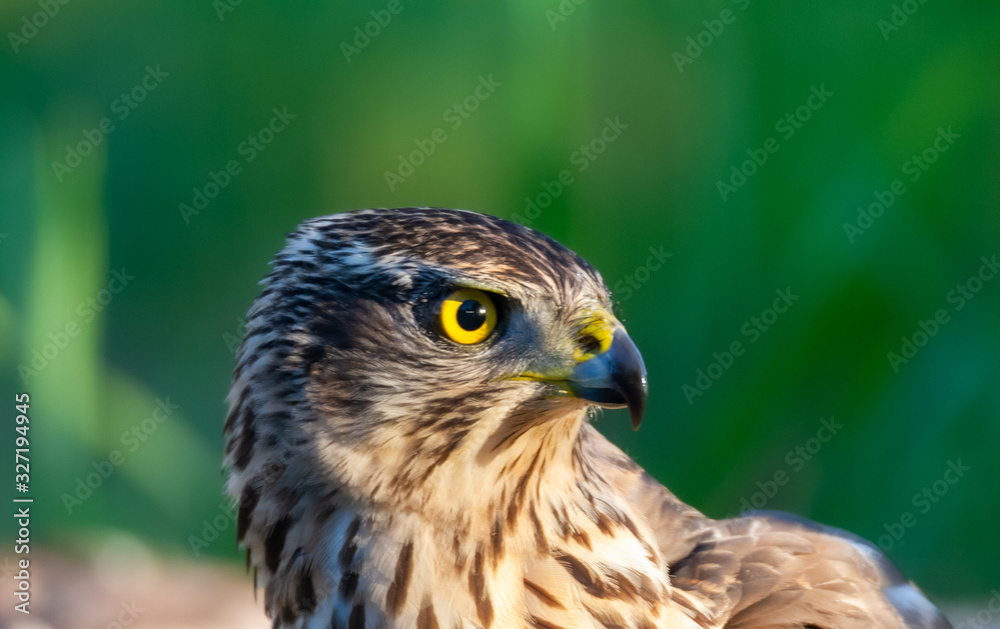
x=767 y=569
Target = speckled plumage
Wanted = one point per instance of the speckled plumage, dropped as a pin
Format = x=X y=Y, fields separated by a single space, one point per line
x=389 y=478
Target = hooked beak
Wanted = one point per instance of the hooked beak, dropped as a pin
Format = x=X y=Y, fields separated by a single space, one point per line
x=608 y=373
x=615 y=378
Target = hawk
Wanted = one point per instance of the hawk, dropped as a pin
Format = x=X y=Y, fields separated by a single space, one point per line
x=409 y=445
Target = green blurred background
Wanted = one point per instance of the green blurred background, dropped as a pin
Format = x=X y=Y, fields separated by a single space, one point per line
x=550 y=77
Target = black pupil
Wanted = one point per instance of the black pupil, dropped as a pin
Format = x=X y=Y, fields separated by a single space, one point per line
x=471 y=315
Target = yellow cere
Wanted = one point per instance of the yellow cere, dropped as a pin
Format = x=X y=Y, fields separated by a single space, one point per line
x=602 y=330
x=467 y=316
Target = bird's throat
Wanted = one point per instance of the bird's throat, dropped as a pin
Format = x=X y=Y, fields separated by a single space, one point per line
x=547 y=534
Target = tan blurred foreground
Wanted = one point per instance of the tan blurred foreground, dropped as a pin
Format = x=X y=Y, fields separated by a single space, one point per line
x=121 y=583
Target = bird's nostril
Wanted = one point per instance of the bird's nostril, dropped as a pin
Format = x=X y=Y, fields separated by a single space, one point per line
x=589 y=344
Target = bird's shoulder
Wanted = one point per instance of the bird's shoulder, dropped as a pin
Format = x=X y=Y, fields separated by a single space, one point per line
x=767 y=568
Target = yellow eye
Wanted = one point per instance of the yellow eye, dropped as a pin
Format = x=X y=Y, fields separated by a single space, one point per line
x=467 y=316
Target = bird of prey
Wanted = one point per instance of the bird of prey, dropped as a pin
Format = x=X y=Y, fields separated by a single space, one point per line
x=409 y=445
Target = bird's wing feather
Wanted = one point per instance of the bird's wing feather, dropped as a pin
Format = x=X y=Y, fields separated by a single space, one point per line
x=767 y=569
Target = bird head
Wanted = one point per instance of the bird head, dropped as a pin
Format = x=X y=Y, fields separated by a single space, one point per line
x=386 y=342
